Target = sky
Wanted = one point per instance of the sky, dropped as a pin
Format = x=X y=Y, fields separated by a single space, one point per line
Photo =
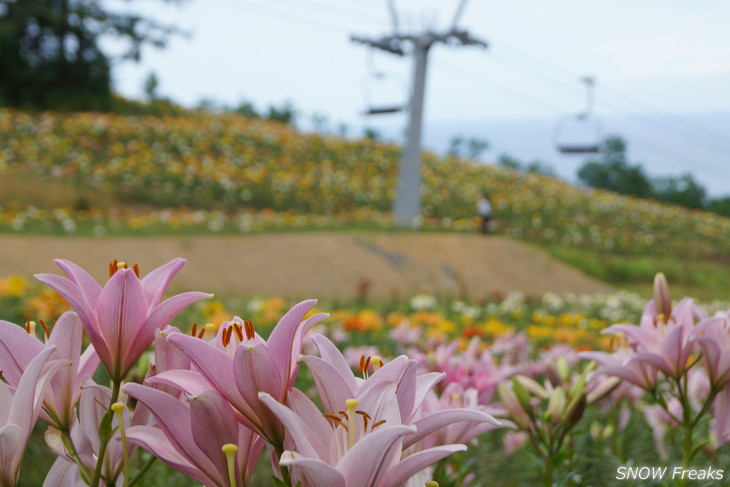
x=662 y=71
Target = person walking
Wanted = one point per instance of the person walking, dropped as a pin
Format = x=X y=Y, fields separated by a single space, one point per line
x=484 y=209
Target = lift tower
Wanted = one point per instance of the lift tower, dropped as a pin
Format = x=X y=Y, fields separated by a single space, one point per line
x=407 y=207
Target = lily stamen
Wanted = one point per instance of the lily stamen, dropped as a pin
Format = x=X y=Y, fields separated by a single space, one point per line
x=248 y=324
x=365 y=418
x=46 y=329
x=226 y=336
x=195 y=330
x=336 y=419
x=30 y=327
x=239 y=333
x=377 y=362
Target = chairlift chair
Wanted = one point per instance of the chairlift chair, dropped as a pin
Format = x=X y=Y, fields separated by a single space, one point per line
x=374 y=108
x=580 y=133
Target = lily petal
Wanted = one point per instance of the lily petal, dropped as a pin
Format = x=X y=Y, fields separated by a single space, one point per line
x=411 y=465
x=314 y=471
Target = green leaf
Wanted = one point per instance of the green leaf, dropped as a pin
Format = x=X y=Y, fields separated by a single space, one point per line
x=105 y=427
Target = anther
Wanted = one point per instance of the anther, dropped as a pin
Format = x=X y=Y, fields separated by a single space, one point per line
x=46 y=330
x=136 y=270
x=336 y=419
x=202 y=332
x=249 y=329
x=239 y=331
x=377 y=362
x=30 y=327
x=195 y=329
x=377 y=423
x=365 y=418
x=226 y=337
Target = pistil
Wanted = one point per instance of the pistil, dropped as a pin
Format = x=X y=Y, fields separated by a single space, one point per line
x=351 y=405
x=230 y=450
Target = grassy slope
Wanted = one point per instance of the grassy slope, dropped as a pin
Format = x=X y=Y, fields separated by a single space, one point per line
x=230 y=162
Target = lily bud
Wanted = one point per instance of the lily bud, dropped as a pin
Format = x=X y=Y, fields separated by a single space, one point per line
x=563 y=369
x=603 y=389
x=662 y=300
x=575 y=409
x=556 y=405
x=512 y=405
x=533 y=387
x=522 y=395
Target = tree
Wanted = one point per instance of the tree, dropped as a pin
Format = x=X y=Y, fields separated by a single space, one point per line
x=470 y=148
x=721 y=206
x=614 y=173
x=536 y=166
x=683 y=191
x=51 y=55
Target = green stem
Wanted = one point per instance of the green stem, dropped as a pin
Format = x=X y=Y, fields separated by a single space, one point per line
x=71 y=449
x=286 y=476
x=105 y=435
x=143 y=471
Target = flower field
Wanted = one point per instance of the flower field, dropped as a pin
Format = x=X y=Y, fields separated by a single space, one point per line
x=230 y=174
x=542 y=389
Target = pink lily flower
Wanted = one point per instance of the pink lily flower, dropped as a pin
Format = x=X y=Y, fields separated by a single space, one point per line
x=360 y=447
x=246 y=364
x=18 y=348
x=455 y=397
x=336 y=383
x=19 y=412
x=190 y=434
x=713 y=337
x=624 y=364
x=721 y=411
x=121 y=318
x=660 y=342
x=472 y=368
x=85 y=437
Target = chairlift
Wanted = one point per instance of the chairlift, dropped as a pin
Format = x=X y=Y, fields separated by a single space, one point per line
x=372 y=76
x=580 y=133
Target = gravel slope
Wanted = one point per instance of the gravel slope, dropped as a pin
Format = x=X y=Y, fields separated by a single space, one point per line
x=319 y=264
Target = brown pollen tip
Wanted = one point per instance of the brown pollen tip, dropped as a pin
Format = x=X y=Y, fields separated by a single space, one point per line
x=249 y=329
x=46 y=330
x=226 y=336
x=239 y=331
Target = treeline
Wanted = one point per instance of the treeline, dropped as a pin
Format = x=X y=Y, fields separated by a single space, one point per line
x=613 y=172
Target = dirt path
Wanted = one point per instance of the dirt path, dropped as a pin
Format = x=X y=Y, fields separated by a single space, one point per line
x=324 y=265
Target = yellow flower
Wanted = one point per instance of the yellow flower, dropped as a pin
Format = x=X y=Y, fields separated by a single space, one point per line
x=13 y=286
